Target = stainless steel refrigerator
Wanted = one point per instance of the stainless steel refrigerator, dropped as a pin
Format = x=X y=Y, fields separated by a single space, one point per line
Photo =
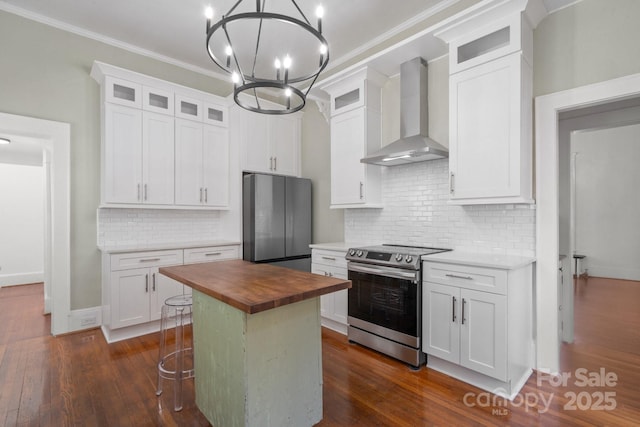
x=276 y=220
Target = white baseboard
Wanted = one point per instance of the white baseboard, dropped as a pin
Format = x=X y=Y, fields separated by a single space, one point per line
x=21 y=278
x=85 y=318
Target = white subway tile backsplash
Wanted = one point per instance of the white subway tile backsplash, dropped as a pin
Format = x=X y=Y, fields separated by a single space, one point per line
x=126 y=227
x=416 y=212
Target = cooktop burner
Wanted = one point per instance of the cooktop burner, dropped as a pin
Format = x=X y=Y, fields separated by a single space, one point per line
x=402 y=256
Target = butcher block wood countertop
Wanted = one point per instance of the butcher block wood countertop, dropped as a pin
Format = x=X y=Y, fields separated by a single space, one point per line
x=251 y=287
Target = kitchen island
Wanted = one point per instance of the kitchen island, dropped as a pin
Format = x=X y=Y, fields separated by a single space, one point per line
x=257 y=342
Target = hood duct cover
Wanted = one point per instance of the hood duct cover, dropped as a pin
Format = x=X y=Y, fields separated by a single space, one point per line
x=414 y=145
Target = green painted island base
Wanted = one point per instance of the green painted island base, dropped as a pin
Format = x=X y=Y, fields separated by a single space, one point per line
x=262 y=369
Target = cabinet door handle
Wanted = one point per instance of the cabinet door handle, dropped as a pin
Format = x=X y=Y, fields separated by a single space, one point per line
x=329 y=258
x=453 y=309
x=145 y=191
x=206 y=197
x=213 y=254
x=149 y=259
x=138 y=198
x=452 y=181
x=275 y=163
x=361 y=190
x=463 y=303
x=455 y=276
x=153 y=287
x=270 y=163
x=146 y=283
x=200 y=194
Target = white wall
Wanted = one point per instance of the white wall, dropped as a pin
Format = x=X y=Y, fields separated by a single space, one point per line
x=607 y=218
x=21 y=224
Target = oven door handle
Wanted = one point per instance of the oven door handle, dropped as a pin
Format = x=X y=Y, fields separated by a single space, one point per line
x=381 y=271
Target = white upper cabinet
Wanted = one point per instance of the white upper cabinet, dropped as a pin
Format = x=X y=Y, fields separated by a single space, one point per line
x=490 y=105
x=269 y=143
x=157 y=155
x=215 y=168
x=284 y=135
x=202 y=165
x=138 y=160
x=355 y=132
x=123 y=92
x=163 y=145
x=157 y=100
x=122 y=155
x=490 y=132
x=215 y=114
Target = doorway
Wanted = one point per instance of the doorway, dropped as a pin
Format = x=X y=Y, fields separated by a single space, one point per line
x=598 y=151
x=53 y=138
x=24 y=215
x=548 y=111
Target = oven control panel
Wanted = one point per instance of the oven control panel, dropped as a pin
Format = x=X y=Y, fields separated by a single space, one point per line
x=391 y=255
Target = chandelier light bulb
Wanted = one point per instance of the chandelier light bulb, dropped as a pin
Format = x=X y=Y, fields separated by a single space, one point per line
x=235 y=77
x=323 y=49
x=228 y=50
x=208 y=12
x=287 y=92
x=287 y=62
x=320 y=14
x=277 y=63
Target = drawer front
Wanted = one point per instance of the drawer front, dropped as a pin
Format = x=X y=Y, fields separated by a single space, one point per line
x=210 y=254
x=329 y=258
x=127 y=261
x=331 y=271
x=465 y=276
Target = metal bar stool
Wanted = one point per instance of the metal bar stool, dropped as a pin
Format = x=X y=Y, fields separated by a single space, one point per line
x=176 y=365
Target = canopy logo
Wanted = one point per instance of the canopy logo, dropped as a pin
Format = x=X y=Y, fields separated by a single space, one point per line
x=598 y=397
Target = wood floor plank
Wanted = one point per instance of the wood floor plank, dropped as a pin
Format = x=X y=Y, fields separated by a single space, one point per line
x=80 y=380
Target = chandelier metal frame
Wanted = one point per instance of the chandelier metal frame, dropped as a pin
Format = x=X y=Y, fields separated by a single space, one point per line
x=248 y=81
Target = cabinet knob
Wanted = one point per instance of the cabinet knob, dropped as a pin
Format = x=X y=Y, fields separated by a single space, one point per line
x=361 y=190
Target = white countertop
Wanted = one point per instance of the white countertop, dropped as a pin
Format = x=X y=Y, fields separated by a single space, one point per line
x=113 y=249
x=504 y=262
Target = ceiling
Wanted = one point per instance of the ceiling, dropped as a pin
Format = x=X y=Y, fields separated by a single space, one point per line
x=174 y=31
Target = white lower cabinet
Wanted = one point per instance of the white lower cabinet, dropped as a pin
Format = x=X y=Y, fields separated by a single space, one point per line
x=333 y=306
x=138 y=295
x=133 y=291
x=467 y=327
x=477 y=324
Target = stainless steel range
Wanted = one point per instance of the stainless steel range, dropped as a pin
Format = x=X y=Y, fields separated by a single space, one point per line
x=385 y=301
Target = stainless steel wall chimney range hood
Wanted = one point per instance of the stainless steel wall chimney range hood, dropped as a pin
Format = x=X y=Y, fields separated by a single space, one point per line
x=414 y=145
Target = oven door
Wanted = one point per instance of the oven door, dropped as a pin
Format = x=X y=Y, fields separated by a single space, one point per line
x=386 y=301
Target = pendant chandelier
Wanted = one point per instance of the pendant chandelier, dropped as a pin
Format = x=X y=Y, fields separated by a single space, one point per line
x=272 y=47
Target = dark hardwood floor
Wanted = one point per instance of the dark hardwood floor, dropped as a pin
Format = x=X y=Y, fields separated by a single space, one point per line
x=80 y=380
